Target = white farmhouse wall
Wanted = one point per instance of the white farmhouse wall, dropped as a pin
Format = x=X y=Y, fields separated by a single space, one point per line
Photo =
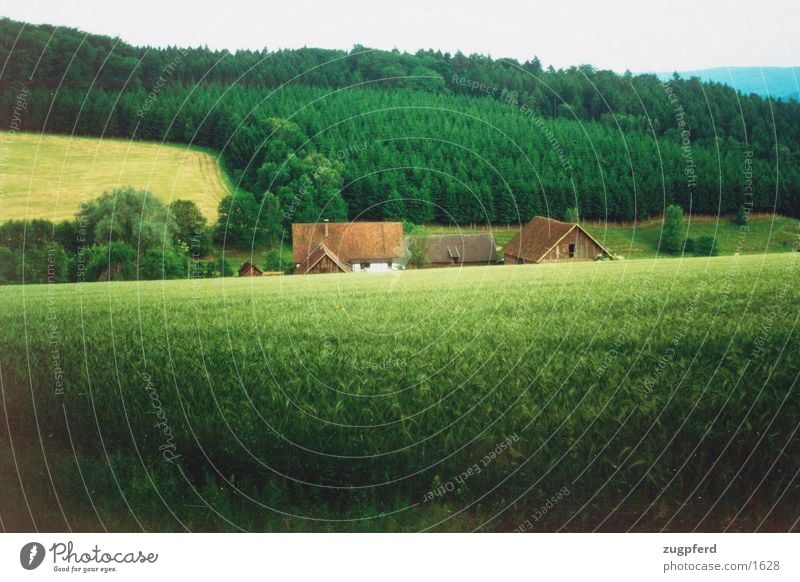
x=379 y=268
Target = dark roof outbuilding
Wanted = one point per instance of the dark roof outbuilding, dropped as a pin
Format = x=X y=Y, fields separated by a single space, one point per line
x=461 y=249
x=248 y=269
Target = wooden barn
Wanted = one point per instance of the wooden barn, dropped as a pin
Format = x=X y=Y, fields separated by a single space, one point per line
x=249 y=270
x=322 y=260
x=342 y=247
x=446 y=250
x=544 y=240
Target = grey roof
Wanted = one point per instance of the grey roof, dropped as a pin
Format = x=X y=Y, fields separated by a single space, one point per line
x=466 y=248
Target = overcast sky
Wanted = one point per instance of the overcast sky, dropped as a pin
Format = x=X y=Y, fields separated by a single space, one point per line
x=640 y=35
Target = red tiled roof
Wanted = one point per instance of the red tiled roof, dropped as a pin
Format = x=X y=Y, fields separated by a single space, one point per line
x=349 y=241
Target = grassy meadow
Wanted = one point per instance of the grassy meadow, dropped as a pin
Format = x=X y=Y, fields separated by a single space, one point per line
x=641 y=395
x=766 y=233
x=49 y=176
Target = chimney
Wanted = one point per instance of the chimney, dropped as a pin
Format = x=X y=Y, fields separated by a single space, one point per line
x=326 y=228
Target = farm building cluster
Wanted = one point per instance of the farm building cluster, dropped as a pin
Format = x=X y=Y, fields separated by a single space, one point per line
x=379 y=247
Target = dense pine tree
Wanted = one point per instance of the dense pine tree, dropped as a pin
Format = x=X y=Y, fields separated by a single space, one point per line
x=388 y=126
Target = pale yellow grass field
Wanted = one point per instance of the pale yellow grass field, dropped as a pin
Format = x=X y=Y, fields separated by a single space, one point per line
x=48 y=176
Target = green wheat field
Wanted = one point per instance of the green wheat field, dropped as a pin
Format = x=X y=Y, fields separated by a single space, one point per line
x=638 y=395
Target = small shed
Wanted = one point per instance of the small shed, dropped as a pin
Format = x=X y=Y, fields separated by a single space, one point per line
x=248 y=269
x=544 y=240
x=446 y=250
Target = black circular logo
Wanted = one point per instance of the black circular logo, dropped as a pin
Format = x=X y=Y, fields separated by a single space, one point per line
x=31 y=555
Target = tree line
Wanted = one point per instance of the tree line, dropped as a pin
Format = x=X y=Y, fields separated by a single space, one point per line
x=430 y=137
x=128 y=235
x=125 y=234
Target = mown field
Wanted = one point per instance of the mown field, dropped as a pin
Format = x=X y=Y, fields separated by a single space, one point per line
x=640 y=395
x=48 y=176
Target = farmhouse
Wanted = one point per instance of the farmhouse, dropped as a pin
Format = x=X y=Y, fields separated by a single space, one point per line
x=342 y=247
x=249 y=270
x=455 y=249
x=544 y=240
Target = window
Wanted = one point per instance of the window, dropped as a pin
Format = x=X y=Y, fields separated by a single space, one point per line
x=572 y=250
x=455 y=256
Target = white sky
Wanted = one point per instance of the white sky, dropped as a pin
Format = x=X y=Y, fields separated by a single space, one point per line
x=645 y=35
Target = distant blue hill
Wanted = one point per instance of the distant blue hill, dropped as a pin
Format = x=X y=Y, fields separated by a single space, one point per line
x=775 y=82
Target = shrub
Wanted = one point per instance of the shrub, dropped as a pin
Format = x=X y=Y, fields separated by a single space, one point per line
x=111 y=262
x=242 y=224
x=418 y=252
x=410 y=227
x=672 y=237
x=224 y=267
x=8 y=265
x=163 y=264
x=742 y=216
x=134 y=217
x=279 y=260
x=571 y=215
x=43 y=264
x=203 y=269
x=192 y=231
x=705 y=246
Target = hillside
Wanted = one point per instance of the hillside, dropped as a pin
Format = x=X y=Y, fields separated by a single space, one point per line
x=48 y=176
x=425 y=137
x=773 y=82
x=765 y=234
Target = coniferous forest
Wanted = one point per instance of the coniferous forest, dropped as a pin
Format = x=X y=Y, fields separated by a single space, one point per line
x=428 y=137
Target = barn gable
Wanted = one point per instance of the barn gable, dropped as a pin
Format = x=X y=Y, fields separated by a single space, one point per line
x=548 y=240
x=322 y=260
